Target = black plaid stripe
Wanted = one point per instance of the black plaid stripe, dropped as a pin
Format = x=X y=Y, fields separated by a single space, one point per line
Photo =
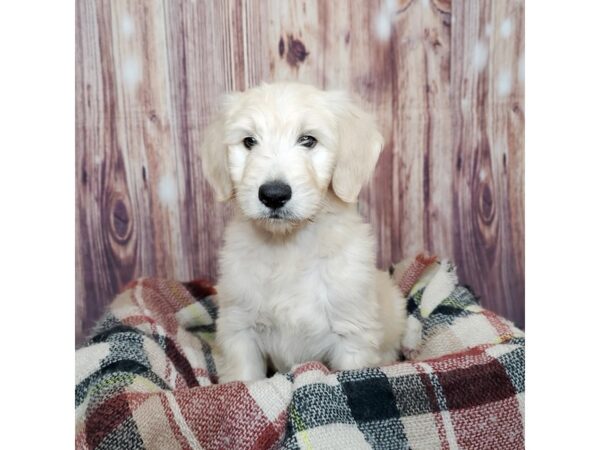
x=360 y=374
x=290 y=441
x=411 y=305
x=411 y=396
x=114 y=377
x=318 y=404
x=208 y=359
x=124 y=436
x=209 y=328
x=414 y=302
x=114 y=333
x=371 y=399
x=514 y=365
x=126 y=359
x=211 y=308
x=450 y=309
x=385 y=434
x=106 y=323
x=460 y=298
x=126 y=345
x=100 y=386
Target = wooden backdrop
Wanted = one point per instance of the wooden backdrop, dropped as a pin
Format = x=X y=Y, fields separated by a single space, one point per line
x=445 y=79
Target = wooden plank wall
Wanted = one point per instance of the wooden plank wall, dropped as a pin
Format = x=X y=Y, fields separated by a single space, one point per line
x=445 y=79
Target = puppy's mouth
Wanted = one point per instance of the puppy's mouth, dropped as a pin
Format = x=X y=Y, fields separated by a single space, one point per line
x=277 y=215
x=280 y=215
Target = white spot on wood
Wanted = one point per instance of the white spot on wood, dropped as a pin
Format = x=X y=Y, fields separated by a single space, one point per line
x=482 y=174
x=480 y=56
x=383 y=26
x=425 y=3
x=383 y=20
x=488 y=29
x=503 y=83
x=132 y=72
x=506 y=28
x=167 y=190
x=127 y=26
x=521 y=69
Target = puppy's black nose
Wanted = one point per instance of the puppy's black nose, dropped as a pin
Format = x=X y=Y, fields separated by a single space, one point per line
x=274 y=194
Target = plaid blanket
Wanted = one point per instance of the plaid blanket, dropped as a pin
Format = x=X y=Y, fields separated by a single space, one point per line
x=147 y=379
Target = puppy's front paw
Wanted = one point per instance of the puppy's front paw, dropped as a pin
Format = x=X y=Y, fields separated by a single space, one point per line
x=345 y=360
x=228 y=377
x=229 y=370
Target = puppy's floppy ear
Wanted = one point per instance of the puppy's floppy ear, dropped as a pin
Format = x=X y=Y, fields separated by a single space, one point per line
x=213 y=154
x=359 y=145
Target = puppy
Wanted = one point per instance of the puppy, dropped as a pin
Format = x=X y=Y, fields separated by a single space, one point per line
x=298 y=280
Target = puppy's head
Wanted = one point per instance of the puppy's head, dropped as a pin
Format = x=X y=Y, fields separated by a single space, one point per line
x=277 y=148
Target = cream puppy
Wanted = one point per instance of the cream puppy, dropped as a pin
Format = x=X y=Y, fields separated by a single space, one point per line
x=298 y=280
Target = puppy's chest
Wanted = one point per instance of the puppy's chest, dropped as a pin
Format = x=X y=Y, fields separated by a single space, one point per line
x=293 y=299
x=293 y=320
x=288 y=287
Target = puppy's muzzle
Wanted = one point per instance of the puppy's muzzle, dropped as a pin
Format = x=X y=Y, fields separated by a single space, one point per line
x=274 y=194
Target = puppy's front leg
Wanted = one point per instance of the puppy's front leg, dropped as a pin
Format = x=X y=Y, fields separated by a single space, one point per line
x=354 y=352
x=241 y=358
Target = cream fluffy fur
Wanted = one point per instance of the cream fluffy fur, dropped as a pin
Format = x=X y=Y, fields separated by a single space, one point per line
x=303 y=285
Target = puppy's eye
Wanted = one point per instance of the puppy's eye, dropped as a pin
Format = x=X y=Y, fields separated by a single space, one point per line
x=307 y=141
x=249 y=142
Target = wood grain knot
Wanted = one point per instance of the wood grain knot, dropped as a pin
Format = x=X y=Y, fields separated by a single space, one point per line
x=516 y=108
x=153 y=117
x=403 y=5
x=432 y=36
x=296 y=52
x=121 y=226
x=486 y=223
x=486 y=205
x=443 y=6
